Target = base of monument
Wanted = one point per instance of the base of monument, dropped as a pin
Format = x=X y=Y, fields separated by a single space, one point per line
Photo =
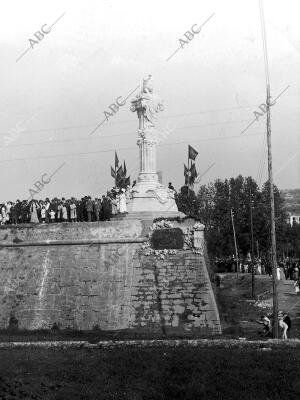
x=151 y=197
x=148 y=215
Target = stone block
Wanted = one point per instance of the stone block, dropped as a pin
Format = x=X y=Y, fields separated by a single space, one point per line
x=179 y=309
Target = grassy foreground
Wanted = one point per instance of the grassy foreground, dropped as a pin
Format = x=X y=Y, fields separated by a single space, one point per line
x=164 y=373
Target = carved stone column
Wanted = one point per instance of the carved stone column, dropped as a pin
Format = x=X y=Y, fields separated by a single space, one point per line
x=147 y=151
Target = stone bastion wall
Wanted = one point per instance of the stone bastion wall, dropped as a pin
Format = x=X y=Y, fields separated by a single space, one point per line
x=102 y=274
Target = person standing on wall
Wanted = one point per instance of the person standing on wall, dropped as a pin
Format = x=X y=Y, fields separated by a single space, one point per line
x=73 y=213
x=97 y=208
x=89 y=208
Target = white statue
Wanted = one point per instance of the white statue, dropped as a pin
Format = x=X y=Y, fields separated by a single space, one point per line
x=149 y=103
x=148 y=194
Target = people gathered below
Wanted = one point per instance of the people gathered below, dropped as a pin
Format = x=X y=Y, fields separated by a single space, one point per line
x=288 y=267
x=65 y=210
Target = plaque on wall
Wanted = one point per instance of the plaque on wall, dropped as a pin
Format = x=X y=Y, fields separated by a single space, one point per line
x=198 y=239
x=170 y=238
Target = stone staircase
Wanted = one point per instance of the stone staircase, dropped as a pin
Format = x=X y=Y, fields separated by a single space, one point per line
x=289 y=302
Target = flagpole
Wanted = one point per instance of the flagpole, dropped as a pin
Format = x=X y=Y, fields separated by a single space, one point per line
x=188 y=176
x=189 y=172
x=115 y=169
x=270 y=178
x=252 y=248
x=235 y=245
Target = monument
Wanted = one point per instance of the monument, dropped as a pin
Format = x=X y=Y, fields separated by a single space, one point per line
x=133 y=273
x=148 y=195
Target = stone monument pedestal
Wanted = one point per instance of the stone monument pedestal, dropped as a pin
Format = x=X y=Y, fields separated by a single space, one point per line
x=151 y=197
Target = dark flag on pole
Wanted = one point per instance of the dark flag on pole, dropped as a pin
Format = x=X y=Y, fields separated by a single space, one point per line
x=192 y=153
x=193 y=171
x=186 y=175
x=193 y=174
x=120 y=176
x=112 y=172
x=185 y=170
x=120 y=172
x=127 y=181
x=116 y=161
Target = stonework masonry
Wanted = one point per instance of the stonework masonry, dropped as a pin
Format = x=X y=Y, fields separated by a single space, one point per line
x=87 y=275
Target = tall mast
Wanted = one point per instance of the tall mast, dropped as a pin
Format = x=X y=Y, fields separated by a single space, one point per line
x=270 y=173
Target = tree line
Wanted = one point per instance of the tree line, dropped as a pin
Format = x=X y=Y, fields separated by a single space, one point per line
x=212 y=205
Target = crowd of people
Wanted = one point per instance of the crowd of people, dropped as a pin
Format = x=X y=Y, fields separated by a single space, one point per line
x=288 y=267
x=65 y=210
x=229 y=264
x=68 y=210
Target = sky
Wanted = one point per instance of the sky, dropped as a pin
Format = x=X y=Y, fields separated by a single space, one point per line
x=55 y=94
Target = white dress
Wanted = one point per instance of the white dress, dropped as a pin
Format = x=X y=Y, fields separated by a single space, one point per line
x=73 y=213
x=33 y=215
x=65 y=213
x=3 y=212
x=122 y=202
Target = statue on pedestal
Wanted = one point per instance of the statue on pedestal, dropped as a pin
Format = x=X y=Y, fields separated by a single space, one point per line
x=148 y=195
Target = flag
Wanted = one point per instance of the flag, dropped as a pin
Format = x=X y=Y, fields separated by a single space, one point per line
x=112 y=172
x=192 y=153
x=127 y=181
x=124 y=169
x=120 y=176
x=193 y=171
x=120 y=172
x=185 y=170
x=193 y=174
x=186 y=175
x=192 y=180
x=116 y=161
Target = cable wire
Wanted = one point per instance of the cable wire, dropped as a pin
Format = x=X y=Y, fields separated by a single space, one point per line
x=127 y=148
x=131 y=120
x=110 y=136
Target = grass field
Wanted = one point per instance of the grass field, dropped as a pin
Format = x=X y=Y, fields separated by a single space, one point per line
x=164 y=373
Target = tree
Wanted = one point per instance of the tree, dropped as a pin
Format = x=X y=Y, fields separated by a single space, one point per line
x=205 y=204
x=187 y=202
x=280 y=217
x=289 y=245
x=213 y=205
